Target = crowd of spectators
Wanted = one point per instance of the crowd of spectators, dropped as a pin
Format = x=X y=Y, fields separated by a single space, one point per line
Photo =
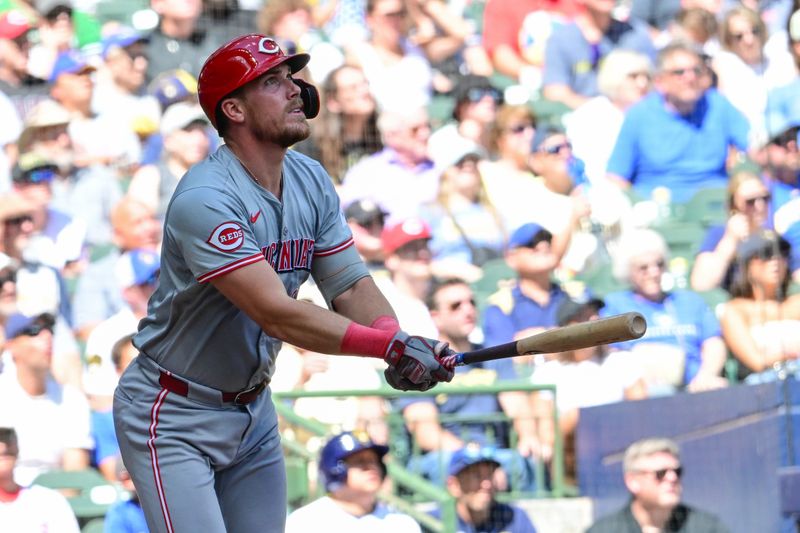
x=549 y=138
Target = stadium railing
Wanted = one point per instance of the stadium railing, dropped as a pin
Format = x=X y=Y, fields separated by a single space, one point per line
x=417 y=491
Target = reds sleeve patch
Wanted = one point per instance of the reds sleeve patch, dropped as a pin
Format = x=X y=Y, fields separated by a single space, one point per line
x=227 y=237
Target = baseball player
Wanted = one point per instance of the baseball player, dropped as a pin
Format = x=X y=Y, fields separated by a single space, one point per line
x=196 y=425
x=351 y=469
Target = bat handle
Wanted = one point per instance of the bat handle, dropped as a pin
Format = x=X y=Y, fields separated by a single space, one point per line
x=452 y=361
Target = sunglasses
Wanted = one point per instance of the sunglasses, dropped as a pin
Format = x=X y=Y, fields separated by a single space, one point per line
x=771 y=252
x=681 y=72
x=739 y=37
x=18 y=221
x=476 y=94
x=39 y=175
x=455 y=306
x=34 y=330
x=519 y=128
x=661 y=473
x=751 y=202
x=557 y=148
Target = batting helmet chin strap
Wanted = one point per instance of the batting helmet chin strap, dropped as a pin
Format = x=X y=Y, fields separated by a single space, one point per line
x=310 y=97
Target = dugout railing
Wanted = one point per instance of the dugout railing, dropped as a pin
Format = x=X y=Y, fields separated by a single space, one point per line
x=302 y=437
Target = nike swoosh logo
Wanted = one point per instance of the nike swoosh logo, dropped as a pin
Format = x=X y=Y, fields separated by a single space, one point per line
x=255 y=216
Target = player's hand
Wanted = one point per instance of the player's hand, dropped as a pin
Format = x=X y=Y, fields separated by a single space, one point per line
x=396 y=381
x=416 y=359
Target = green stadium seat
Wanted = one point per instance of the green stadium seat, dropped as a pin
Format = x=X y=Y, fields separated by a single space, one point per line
x=707 y=207
x=95 y=525
x=297 y=486
x=87 y=491
x=496 y=272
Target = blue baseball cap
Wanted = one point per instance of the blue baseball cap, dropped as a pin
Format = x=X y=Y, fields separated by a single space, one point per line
x=173 y=86
x=122 y=37
x=70 y=62
x=471 y=455
x=137 y=267
x=17 y=324
x=529 y=235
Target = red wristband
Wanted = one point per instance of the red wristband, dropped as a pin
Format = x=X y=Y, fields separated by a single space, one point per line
x=387 y=323
x=361 y=340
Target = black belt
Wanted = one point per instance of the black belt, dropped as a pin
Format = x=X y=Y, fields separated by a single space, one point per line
x=242 y=397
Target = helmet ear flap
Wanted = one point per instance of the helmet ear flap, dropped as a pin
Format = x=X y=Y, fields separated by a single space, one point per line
x=310 y=97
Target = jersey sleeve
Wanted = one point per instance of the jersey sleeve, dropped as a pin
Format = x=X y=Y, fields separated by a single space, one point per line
x=211 y=232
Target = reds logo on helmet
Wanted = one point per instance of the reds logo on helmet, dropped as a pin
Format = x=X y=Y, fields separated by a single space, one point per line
x=227 y=237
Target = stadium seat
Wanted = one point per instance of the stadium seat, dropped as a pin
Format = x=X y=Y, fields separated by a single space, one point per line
x=707 y=207
x=87 y=491
x=95 y=525
x=495 y=273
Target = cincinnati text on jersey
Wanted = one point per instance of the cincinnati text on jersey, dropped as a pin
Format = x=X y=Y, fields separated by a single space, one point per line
x=294 y=254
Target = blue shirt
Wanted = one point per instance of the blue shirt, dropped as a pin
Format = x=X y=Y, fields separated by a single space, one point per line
x=783 y=106
x=573 y=61
x=511 y=311
x=657 y=146
x=105 y=438
x=486 y=373
x=502 y=519
x=682 y=319
x=125 y=517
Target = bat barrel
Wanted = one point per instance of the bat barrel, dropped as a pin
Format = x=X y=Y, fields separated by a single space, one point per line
x=617 y=328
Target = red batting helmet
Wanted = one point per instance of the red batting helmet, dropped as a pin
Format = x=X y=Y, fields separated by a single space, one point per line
x=238 y=62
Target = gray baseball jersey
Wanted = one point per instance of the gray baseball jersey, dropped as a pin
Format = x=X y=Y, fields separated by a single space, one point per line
x=199 y=462
x=219 y=220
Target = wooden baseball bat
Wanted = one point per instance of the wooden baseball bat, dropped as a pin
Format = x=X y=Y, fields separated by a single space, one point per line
x=617 y=328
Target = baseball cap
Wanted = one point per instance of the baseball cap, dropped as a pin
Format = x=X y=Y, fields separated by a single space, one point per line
x=402 y=233
x=172 y=86
x=471 y=88
x=13 y=24
x=18 y=324
x=570 y=308
x=137 y=267
x=44 y=114
x=34 y=167
x=763 y=244
x=528 y=235
x=70 y=62
x=455 y=151
x=179 y=116
x=470 y=455
x=122 y=37
x=363 y=211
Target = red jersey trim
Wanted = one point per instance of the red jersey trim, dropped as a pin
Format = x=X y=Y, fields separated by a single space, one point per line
x=335 y=250
x=230 y=267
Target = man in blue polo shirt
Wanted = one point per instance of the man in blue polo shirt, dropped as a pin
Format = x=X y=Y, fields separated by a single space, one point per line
x=679 y=135
x=530 y=305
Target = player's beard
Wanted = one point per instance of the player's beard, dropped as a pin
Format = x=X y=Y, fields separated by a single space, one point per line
x=291 y=133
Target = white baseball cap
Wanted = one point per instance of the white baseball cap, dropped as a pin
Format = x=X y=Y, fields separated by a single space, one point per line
x=178 y=116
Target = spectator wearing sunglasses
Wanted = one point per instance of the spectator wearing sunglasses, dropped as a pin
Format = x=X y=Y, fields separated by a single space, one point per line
x=652 y=473
x=57 y=239
x=745 y=73
x=453 y=309
x=517 y=193
x=704 y=124
x=748 y=212
x=475 y=107
x=780 y=163
x=683 y=347
x=761 y=323
x=51 y=420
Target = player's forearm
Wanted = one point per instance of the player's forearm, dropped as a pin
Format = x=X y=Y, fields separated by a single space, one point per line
x=363 y=302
